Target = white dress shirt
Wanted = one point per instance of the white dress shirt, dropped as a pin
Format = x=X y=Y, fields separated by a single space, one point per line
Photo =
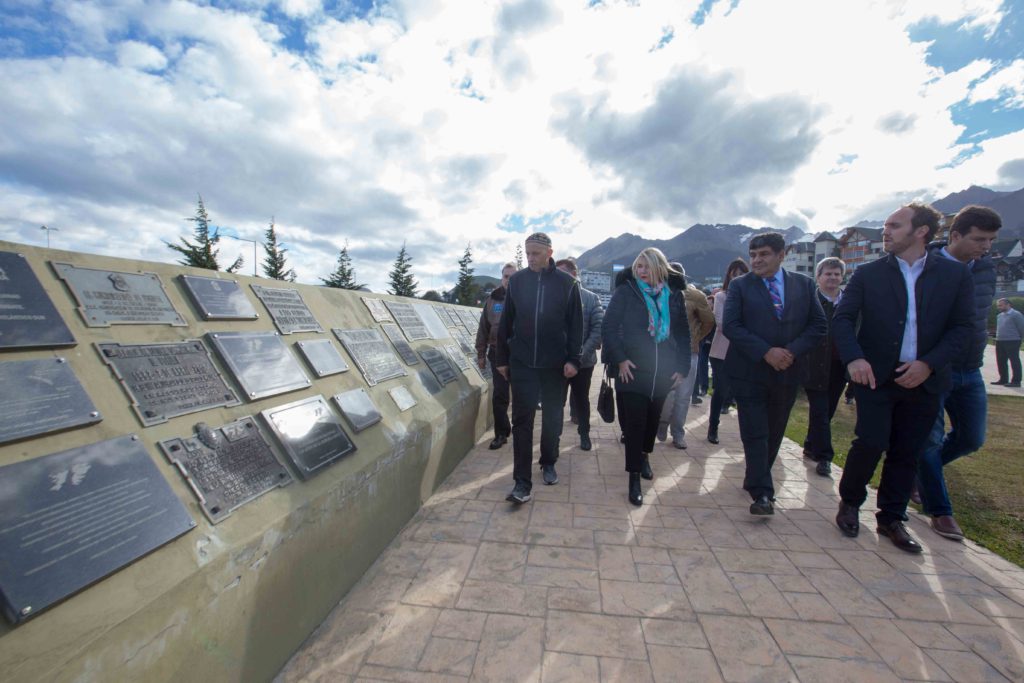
x=911 y=271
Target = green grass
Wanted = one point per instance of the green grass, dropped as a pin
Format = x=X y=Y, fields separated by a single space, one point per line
x=985 y=487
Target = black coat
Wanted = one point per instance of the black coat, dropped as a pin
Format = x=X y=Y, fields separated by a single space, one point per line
x=817 y=369
x=625 y=337
x=983 y=272
x=876 y=300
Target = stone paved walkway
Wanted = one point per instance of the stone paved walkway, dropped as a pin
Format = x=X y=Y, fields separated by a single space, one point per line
x=578 y=585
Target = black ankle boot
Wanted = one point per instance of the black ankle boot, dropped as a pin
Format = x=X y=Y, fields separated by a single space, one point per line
x=713 y=434
x=645 y=468
x=636 y=496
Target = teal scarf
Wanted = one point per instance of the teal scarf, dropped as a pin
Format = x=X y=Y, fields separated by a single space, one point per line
x=656 y=299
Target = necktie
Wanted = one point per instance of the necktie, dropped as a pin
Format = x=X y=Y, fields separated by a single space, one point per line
x=773 y=292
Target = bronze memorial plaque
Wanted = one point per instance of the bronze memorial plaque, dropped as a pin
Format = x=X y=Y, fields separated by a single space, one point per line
x=28 y=317
x=167 y=380
x=218 y=299
x=394 y=333
x=322 y=357
x=439 y=364
x=110 y=297
x=377 y=309
x=357 y=407
x=41 y=396
x=260 y=362
x=402 y=397
x=310 y=434
x=407 y=317
x=226 y=467
x=71 y=518
x=374 y=356
x=287 y=309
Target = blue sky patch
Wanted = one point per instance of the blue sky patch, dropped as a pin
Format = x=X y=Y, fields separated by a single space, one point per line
x=547 y=222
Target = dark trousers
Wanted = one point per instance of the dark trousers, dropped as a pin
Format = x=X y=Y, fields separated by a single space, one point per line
x=528 y=386
x=580 y=398
x=892 y=419
x=700 y=386
x=1008 y=353
x=763 y=414
x=822 y=408
x=638 y=416
x=722 y=395
x=499 y=400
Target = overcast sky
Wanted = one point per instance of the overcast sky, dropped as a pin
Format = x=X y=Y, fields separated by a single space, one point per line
x=443 y=123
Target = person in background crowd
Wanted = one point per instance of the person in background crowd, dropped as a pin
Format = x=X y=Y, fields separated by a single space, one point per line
x=579 y=386
x=1009 y=332
x=540 y=336
x=700 y=387
x=646 y=338
x=824 y=377
x=719 y=347
x=486 y=336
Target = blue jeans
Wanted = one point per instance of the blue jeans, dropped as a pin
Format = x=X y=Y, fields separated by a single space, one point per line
x=677 y=404
x=967 y=407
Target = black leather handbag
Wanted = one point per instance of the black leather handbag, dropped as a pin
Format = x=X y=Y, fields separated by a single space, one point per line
x=606 y=399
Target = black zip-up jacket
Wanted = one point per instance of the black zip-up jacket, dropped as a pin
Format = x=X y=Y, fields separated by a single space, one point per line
x=625 y=337
x=542 y=324
x=983 y=272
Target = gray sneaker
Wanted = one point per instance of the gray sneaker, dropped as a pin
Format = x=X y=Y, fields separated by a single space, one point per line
x=520 y=494
x=550 y=476
x=679 y=442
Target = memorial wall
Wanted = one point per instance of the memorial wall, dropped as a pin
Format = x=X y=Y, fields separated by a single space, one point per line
x=195 y=466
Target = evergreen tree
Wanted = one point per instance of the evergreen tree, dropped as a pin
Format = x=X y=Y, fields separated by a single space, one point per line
x=274 y=265
x=201 y=252
x=432 y=295
x=400 y=279
x=519 y=257
x=465 y=290
x=344 y=277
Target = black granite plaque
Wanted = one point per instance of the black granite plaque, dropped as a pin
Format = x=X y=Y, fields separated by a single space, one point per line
x=41 y=396
x=110 y=297
x=322 y=357
x=402 y=397
x=438 y=363
x=435 y=327
x=287 y=309
x=28 y=317
x=446 y=318
x=457 y=357
x=167 y=380
x=260 y=362
x=218 y=299
x=371 y=354
x=358 y=409
x=310 y=434
x=377 y=309
x=407 y=317
x=394 y=333
x=71 y=518
x=226 y=467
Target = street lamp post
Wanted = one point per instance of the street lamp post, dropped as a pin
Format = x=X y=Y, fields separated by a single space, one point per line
x=48 y=231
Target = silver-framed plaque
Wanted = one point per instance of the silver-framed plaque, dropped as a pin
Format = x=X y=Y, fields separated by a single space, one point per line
x=260 y=362
x=377 y=309
x=28 y=318
x=322 y=357
x=217 y=299
x=167 y=380
x=287 y=309
x=71 y=518
x=394 y=333
x=406 y=316
x=111 y=297
x=467 y=344
x=435 y=326
x=437 y=361
x=226 y=467
x=445 y=315
x=402 y=397
x=457 y=357
x=372 y=355
x=357 y=407
x=40 y=397
x=310 y=434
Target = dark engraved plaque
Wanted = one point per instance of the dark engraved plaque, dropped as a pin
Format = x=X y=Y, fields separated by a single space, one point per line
x=402 y=397
x=322 y=357
x=260 y=362
x=41 y=396
x=358 y=409
x=435 y=327
x=377 y=309
x=218 y=299
x=457 y=357
x=110 y=297
x=287 y=309
x=394 y=333
x=310 y=434
x=167 y=380
x=71 y=518
x=226 y=467
x=438 y=363
x=28 y=317
x=406 y=316
x=371 y=354
x=445 y=315
x=467 y=344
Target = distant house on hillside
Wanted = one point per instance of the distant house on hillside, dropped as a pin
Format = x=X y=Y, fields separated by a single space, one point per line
x=800 y=258
x=599 y=283
x=1008 y=256
x=858 y=246
x=826 y=245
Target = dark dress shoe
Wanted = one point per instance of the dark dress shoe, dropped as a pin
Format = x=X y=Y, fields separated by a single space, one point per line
x=762 y=506
x=585 y=444
x=847 y=520
x=900 y=537
x=645 y=468
x=946 y=526
x=550 y=476
x=1014 y=385
x=636 y=496
x=498 y=442
x=713 y=434
x=696 y=401
x=810 y=456
x=824 y=468
x=998 y=381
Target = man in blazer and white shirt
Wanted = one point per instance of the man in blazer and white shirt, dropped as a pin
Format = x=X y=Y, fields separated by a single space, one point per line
x=773 y=319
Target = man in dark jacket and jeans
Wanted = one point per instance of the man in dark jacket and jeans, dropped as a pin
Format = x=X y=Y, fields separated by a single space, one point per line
x=593 y=314
x=486 y=340
x=538 y=348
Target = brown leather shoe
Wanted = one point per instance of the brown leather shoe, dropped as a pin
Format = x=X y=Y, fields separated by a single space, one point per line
x=847 y=520
x=900 y=537
x=946 y=526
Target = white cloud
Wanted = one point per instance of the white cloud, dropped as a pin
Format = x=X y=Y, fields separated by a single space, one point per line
x=1006 y=85
x=135 y=55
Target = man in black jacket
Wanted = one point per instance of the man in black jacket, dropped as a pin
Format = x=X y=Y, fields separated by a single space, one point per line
x=540 y=338
x=915 y=313
x=772 y=318
x=486 y=341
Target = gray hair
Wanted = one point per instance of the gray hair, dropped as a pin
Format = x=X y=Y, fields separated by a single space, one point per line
x=831 y=262
x=509 y=264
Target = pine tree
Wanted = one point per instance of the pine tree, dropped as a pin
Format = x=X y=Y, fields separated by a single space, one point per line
x=432 y=295
x=400 y=279
x=465 y=290
x=344 y=276
x=201 y=253
x=274 y=265
x=519 y=257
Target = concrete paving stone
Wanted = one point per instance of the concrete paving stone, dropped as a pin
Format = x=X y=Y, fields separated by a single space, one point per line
x=560 y=667
x=504 y=562
x=567 y=558
x=377 y=592
x=491 y=596
x=721 y=538
x=837 y=641
x=403 y=558
x=630 y=598
x=657 y=573
x=846 y=594
x=574 y=600
x=745 y=650
x=621 y=526
x=675 y=539
x=507 y=527
x=551 y=514
x=439 y=580
x=673 y=632
x=1015 y=594
x=792 y=584
x=338 y=647
x=451 y=532
x=706 y=584
x=557 y=536
x=444 y=509
x=897 y=650
x=595 y=634
x=761 y=597
x=511 y=649
x=812 y=560
x=946 y=608
x=479 y=506
x=811 y=669
x=459 y=624
x=625 y=670
x=1014 y=627
x=754 y=561
x=871 y=570
x=372 y=672
x=648 y=555
x=449 y=656
x=812 y=607
x=956 y=583
x=601 y=511
x=966 y=666
x=559 y=577
x=993 y=644
x=405 y=637
x=929 y=635
x=615 y=537
x=761 y=537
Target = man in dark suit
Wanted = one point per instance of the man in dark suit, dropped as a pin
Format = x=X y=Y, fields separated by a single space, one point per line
x=914 y=310
x=772 y=318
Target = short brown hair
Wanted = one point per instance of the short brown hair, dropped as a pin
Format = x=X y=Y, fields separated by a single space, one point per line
x=830 y=262
x=924 y=214
x=569 y=263
x=980 y=217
